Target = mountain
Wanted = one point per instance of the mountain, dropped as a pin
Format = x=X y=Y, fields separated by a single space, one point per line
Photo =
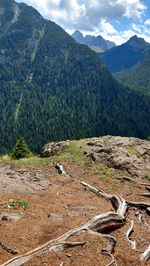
x=93 y=42
x=137 y=77
x=52 y=88
x=126 y=55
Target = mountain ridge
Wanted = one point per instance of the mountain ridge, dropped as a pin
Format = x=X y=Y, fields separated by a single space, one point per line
x=126 y=55
x=53 y=88
x=93 y=41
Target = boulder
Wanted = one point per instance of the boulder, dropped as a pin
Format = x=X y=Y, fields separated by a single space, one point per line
x=52 y=148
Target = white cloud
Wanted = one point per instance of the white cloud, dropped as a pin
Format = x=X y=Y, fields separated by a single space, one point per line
x=107 y=28
x=110 y=33
x=86 y=14
x=147 y=22
x=93 y=15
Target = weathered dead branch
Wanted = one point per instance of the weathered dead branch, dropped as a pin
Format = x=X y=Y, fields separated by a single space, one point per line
x=147 y=188
x=147 y=195
x=7 y=248
x=146 y=254
x=148 y=210
x=113 y=262
x=128 y=234
x=60 y=169
x=145 y=184
x=140 y=205
x=126 y=178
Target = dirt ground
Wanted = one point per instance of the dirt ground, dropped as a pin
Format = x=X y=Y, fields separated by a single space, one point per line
x=58 y=204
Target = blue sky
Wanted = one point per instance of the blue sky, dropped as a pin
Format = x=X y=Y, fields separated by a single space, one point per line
x=115 y=20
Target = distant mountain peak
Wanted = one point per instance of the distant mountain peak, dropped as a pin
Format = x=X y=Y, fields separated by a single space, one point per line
x=77 y=32
x=93 y=41
x=135 y=37
x=77 y=35
x=136 y=41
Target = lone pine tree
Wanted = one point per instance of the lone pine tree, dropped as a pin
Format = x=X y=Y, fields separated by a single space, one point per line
x=20 y=150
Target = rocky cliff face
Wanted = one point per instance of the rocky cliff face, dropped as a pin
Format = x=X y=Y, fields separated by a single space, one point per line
x=90 y=40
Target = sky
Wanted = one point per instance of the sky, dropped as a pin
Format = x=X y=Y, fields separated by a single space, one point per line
x=115 y=20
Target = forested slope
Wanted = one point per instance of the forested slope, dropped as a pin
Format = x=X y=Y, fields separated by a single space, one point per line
x=137 y=77
x=52 y=88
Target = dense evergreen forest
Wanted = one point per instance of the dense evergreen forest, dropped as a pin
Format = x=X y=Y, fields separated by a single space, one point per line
x=137 y=77
x=52 y=88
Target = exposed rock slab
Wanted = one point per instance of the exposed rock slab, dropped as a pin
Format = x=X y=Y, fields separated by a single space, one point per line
x=15 y=181
x=124 y=153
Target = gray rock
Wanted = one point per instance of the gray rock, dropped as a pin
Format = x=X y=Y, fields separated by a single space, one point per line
x=5 y=216
x=56 y=218
x=54 y=147
x=128 y=154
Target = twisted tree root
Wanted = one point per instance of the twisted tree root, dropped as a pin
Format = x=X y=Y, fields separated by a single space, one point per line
x=7 y=248
x=146 y=254
x=128 y=234
x=95 y=226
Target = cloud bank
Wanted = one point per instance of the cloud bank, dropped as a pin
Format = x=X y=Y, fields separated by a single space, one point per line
x=95 y=16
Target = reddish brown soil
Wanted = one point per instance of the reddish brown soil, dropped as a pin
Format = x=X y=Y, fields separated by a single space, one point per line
x=73 y=206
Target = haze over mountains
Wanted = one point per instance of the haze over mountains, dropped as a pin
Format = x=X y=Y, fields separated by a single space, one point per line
x=93 y=42
x=52 y=88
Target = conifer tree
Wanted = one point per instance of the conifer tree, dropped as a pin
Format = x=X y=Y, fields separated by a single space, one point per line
x=20 y=150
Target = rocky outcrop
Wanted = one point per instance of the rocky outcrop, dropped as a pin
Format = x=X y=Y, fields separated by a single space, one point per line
x=52 y=148
x=21 y=181
x=128 y=154
x=124 y=153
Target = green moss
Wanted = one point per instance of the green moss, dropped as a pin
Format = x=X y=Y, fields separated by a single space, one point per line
x=105 y=172
x=133 y=151
x=147 y=176
x=74 y=153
